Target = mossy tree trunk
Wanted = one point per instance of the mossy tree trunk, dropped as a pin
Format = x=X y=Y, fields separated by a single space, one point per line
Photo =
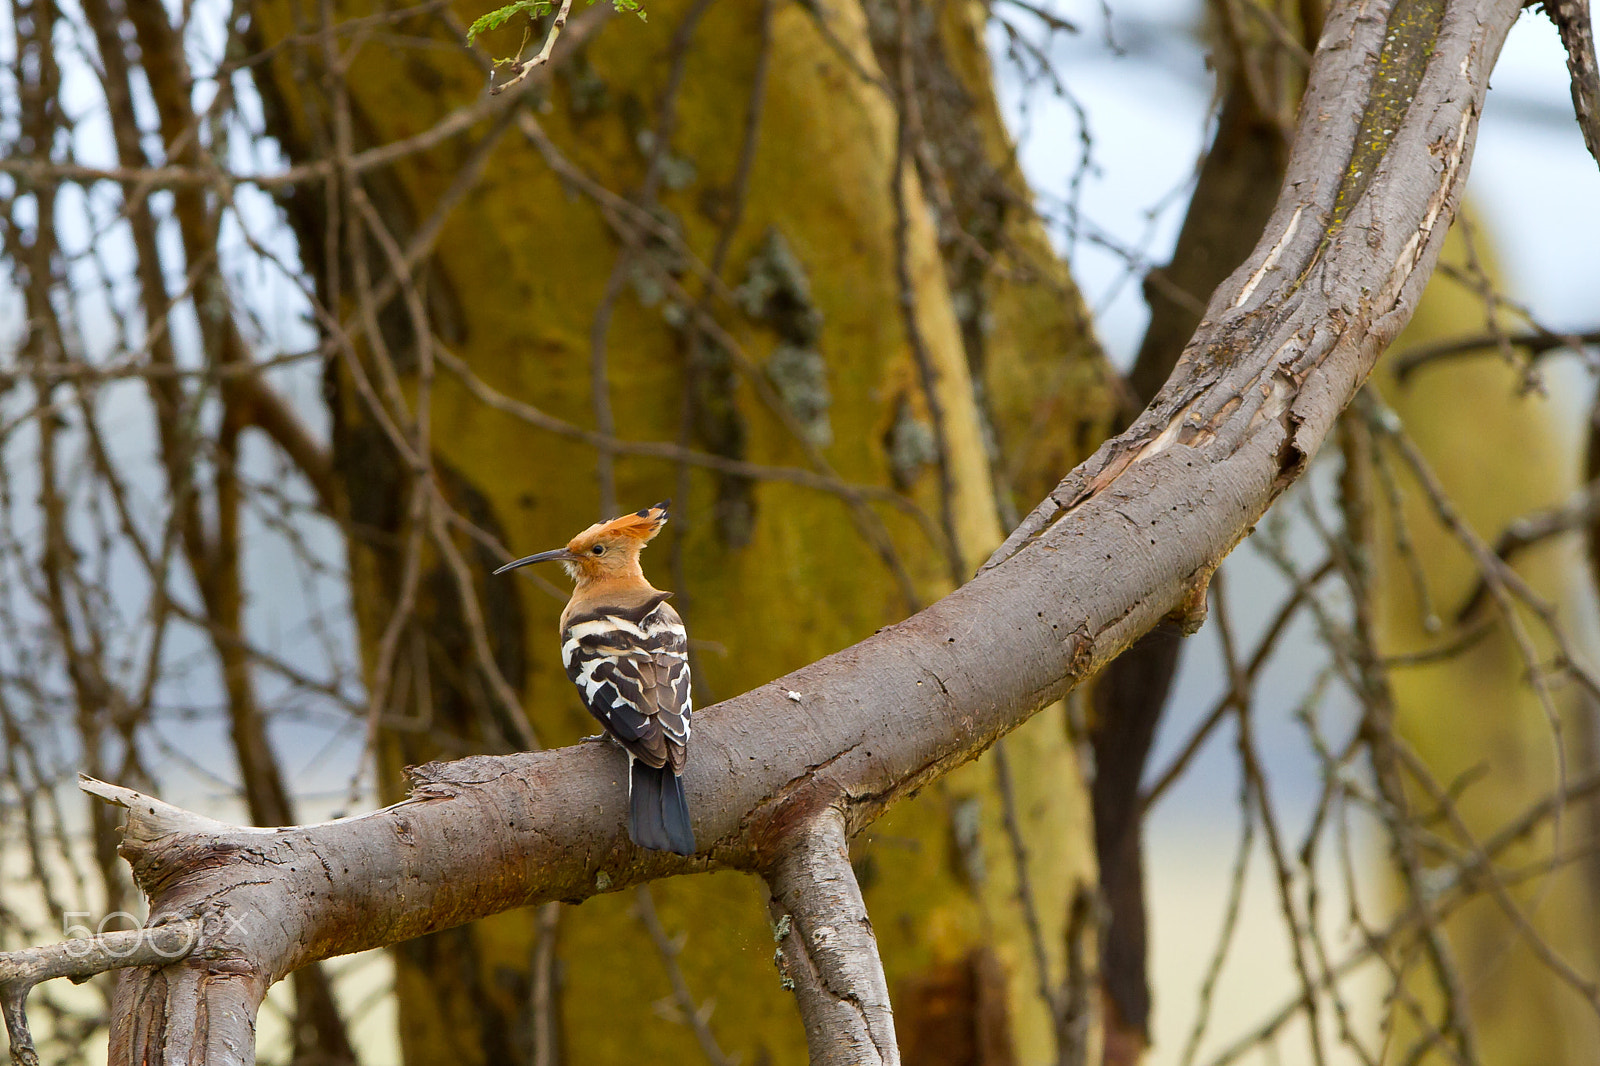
x=790 y=270
x=1493 y=749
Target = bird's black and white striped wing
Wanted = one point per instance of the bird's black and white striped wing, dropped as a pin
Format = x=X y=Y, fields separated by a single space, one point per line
x=632 y=669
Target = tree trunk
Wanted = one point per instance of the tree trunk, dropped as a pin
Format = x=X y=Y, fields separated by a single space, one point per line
x=842 y=336
x=1473 y=718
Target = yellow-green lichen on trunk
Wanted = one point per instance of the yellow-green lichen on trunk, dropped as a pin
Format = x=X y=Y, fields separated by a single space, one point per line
x=520 y=269
x=1407 y=47
x=1473 y=718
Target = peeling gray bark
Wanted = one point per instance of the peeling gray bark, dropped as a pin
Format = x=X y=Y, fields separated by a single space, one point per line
x=1127 y=539
x=1576 y=27
x=827 y=952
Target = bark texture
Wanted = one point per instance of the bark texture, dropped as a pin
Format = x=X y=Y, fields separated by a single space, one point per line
x=826 y=947
x=1233 y=194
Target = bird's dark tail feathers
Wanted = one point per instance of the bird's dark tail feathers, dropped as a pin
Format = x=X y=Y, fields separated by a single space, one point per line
x=658 y=811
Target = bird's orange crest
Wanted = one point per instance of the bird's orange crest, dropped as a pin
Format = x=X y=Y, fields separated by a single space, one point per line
x=637 y=527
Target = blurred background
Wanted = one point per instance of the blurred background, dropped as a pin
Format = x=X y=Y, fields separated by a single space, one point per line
x=303 y=332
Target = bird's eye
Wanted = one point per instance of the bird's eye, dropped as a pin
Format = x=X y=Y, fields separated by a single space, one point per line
x=598 y=549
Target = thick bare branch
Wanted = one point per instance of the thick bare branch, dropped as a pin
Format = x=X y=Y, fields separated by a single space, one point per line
x=1233 y=191
x=827 y=952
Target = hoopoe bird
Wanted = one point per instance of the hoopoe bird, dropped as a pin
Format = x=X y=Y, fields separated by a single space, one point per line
x=625 y=649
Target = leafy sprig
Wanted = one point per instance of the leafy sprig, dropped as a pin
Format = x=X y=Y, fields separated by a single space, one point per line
x=493 y=20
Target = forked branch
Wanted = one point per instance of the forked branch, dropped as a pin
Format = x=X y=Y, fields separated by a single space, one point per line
x=79 y=960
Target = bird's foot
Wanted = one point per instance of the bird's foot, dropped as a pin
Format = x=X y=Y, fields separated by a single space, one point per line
x=598 y=738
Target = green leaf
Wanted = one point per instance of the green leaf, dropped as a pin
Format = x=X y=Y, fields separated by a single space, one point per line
x=501 y=15
x=534 y=8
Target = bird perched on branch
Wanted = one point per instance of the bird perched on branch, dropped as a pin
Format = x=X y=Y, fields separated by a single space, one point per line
x=625 y=648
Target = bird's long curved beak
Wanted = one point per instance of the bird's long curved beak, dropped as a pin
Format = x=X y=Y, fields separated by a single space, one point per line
x=560 y=554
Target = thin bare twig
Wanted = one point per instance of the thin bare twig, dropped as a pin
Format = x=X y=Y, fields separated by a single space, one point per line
x=697 y=1016
x=927 y=375
x=1579 y=512
x=528 y=66
x=20 y=971
x=1535 y=342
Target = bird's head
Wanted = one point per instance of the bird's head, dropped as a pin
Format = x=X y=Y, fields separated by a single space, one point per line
x=606 y=550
